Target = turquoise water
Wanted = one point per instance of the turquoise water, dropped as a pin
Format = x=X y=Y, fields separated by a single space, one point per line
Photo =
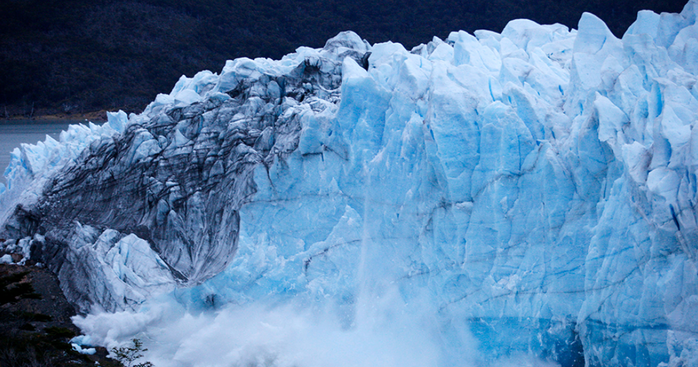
x=15 y=132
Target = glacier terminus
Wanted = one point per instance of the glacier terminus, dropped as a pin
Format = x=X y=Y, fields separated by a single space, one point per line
x=523 y=198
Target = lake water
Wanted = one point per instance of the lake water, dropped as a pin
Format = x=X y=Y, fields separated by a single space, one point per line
x=15 y=132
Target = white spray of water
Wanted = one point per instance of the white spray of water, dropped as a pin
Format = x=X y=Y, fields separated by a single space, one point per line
x=258 y=335
x=385 y=333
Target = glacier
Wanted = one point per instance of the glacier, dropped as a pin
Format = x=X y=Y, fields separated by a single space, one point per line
x=517 y=198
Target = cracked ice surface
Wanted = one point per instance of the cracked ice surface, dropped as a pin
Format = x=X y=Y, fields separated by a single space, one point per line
x=539 y=179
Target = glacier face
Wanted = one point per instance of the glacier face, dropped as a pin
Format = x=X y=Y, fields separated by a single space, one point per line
x=177 y=175
x=540 y=179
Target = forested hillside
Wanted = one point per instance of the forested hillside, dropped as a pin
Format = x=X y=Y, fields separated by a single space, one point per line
x=74 y=56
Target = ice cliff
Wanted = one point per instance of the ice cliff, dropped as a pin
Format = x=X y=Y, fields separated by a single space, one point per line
x=536 y=188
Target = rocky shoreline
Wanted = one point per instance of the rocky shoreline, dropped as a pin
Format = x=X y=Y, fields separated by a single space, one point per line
x=98 y=116
x=35 y=321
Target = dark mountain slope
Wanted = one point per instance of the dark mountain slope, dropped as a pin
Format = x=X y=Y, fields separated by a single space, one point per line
x=77 y=56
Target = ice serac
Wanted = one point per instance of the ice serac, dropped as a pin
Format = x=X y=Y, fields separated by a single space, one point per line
x=541 y=179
